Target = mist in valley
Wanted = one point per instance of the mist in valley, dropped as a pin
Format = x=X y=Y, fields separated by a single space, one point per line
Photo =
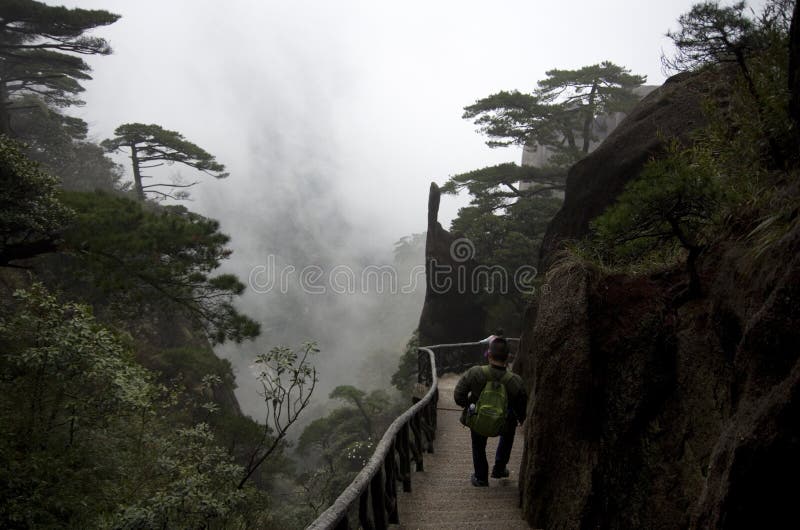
x=332 y=119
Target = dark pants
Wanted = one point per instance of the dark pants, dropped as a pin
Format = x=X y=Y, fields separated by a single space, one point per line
x=503 y=450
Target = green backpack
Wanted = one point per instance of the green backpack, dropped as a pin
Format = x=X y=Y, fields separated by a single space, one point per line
x=491 y=411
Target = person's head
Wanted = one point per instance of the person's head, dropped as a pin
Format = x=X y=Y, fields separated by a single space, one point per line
x=498 y=351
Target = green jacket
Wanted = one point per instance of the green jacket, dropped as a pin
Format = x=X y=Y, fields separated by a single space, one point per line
x=471 y=384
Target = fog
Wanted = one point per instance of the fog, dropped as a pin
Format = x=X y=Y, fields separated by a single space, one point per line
x=333 y=118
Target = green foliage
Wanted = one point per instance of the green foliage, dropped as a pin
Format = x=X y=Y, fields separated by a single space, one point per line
x=58 y=142
x=710 y=34
x=348 y=393
x=151 y=146
x=31 y=216
x=733 y=178
x=491 y=187
x=560 y=114
x=191 y=484
x=581 y=95
x=514 y=118
x=405 y=376
x=288 y=379
x=38 y=44
x=36 y=121
x=672 y=201
x=69 y=393
x=506 y=221
x=339 y=444
x=506 y=226
x=156 y=260
x=91 y=440
x=509 y=234
x=751 y=135
x=367 y=405
x=755 y=45
x=191 y=365
x=51 y=75
x=28 y=24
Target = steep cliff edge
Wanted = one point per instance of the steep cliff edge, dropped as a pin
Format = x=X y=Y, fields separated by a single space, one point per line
x=648 y=410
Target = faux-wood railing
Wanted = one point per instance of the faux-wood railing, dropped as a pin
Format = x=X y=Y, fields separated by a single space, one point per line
x=370 y=500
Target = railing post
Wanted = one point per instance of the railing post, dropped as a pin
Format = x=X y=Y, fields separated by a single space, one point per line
x=343 y=524
x=417 y=446
x=435 y=405
x=427 y=426
x=404 y=452
x=376 y=493
x=390 y=466
x=366 y=521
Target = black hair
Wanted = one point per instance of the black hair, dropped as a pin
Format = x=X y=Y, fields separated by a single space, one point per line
x=498 y=349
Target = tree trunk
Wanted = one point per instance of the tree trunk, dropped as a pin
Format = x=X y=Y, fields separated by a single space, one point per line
x=588 y=120
x=5 y=119
x=775 y=152
x=695 y=286
x=794 y=73
x=137 y=176
x=570 y=137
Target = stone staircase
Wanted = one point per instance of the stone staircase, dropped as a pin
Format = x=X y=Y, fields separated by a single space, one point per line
x=442 y=496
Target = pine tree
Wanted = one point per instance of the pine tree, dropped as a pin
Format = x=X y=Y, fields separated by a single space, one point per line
x=560 y=114
x=151 y=146
x=40 y=47
x=667 y=206
x=147 y=260
x=59 y=142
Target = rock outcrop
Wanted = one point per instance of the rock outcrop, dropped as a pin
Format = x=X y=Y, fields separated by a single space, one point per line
x=649 y=413
x=648 y=410
x=452 y=312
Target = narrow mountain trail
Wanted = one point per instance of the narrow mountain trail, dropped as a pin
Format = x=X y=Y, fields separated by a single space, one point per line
x=442 y=496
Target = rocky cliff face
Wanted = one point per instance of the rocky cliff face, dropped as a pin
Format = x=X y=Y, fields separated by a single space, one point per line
x=452 y=312
x=651 y=414
x=648 y=411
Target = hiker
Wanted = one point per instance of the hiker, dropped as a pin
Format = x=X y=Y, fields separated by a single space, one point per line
x=494 y=403
x=488 y=341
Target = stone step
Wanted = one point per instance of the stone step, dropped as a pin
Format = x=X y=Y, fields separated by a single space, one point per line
x=483 y=525
x=457 y=482
x=463 y=461
x=508 y=496
x=464 y=454
x=476 y=515
x=462 y=504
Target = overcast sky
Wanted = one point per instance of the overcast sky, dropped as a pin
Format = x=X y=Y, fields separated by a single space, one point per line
x=369 y=94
